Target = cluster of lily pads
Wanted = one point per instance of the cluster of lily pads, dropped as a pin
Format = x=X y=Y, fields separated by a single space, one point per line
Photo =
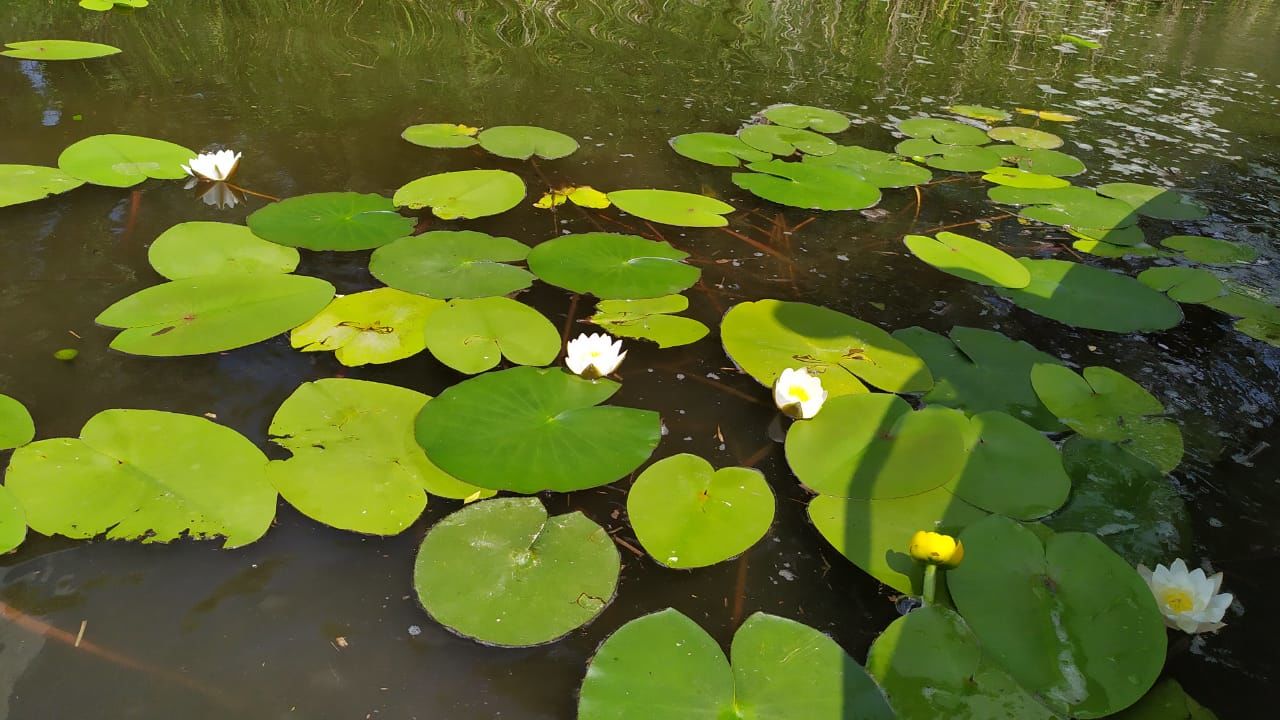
x=1052 y=479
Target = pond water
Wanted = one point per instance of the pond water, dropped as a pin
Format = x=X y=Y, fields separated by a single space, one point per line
x=314 y=622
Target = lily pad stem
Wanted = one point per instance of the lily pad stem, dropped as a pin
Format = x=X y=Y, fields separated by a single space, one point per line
x=930 y=583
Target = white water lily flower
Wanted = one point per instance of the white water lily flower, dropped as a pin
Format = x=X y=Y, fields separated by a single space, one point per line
x=593 y=356
x=220 y=195
x=217 y=166
x=1190 y=601
x=799 y=393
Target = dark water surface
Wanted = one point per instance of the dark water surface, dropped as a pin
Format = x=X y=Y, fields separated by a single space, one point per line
x=316 y=92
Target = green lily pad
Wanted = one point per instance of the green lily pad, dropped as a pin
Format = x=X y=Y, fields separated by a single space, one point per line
x=124 y=160
x=1069 y=619
x=874 y=446
x=331 y=221
x=1012 y=469
x=1184 y=284
x=13 y=522
x=145 y=475
x=1167 y=701
x=979 y=112
x=955 y=158
x=1019 y=178
x=931 y=665
x=650 y=320
x=375 y=326
x=785 y=141
x=1210 y=251
x=1025 y=137
x=503 y=573
x=452 y=264
x=464 y=194
x=1043 y=162
x=884 y=170
x=1245 y=304
x=529 y=429
x=59 y=50
x=945 y=132
x=212 y=313
x=1106 y=405
x=686 y=514
x=1108 y=250
x=16 y=426
x=1085 y=296
x=717 y=149
x=522 y=142
x=1155 y=202
x=1070 y=207
x=190 y=249
x=664 y=666
x=613 y=266
x=807 y=186
x=671 y=207
x=472 y=336
x=1124 y=500
x=104 y=5
x=969 y=259
x=768 y=336
x=440 y=135
x=1267 y=331
x=27 y=183
x=1080 y=41
x=806 y=117
x=981 y=370
x=875 y=535
x=1129 y=236
x=355 y=464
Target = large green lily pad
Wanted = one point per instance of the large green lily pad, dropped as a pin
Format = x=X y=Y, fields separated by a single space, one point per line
x=882 y=169
x=331 y=221
x=27 y=183
x=1072 y=207
x=375 y=326
x=472 y=336
x=613 y=266
x=1044 y=162
x=1184 y=284
x=1167 y=701
x=504 y=573
x=1069 y=619
x=16 y=425
x=1019 y=178
x=522 y=142
x=687 y=514
x=452 y=264
x=463 y=194
x=124 y=160
x=717 y=149
x=145 y=475
x=212 y=313
x=671 y=207
x=1088 y=297
x=806 y=185
x=57 y=50
x=806 y=117
x=190 y=249
x=768 y=336
x=529 y=429
x=650 y=319
x=955 y=158
x=1210 y=251
x=1155 y=202
x=440 y=135
x=785 y=141
x=945 y=132
x=969 y=259
x=1011 y=469
x=1030 y=138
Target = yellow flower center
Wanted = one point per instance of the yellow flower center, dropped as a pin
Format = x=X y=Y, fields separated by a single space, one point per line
x=799 y=393
x=1177 y=600
x=594 y=354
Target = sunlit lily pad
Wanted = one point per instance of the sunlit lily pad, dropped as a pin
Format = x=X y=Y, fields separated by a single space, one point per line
x=1069 y=619
x=806 y=117
x=671 y=207
x=969 y=259
x=884 y=170
x=104 y=5
x=980 y=112
x=1088 y=297
x=610 y=265
x=686 y=514
x=1069 y=206
x=1079 y=41
x=58 y=50
x=717 y=149
x=785 y=141
x=145 y=475
x=375 y=326
x=1184 y=284
x=463 y=194
x=650 y=320
x=452 y=264
x=208 y=248
x=1017 y=177
x=472 y=336
x=1048 y=115
x=27 y=183
x=13 y=521
x=440 y=135
x=580 y=195
x=1210 y=251
x=1044 y=162
x=945 y=132
x=955 y=158
x=504 y=573
x=1025 y=137
x=768 y=336
x=807 y=185
x=331 y=221
x=1011 y=469
x=1155 y=202
x=123 y=160
x=1259 y=328
x=213 y=313
x=16 y=425
x=522 y=142
x=528 y=429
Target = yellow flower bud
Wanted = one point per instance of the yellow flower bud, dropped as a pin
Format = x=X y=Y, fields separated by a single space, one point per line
x=936 y=549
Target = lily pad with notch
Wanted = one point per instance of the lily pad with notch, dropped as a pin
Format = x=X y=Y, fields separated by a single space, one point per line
x=954 y=158
x=717 y=149
x=807 y=185
x=464 y=194
x=1019 y=178
x=376 y=326
x=979 y=112
x=472 y=336
x=650 y=319
x=1184 y=284
x=1210 y=251
x=672 y=207
x=440 y=135
x=806 y=117
x=884 y=170
x=1011 y=468
x=969 y=259
x=191 y=249
x=1030 y=138
x=1154 y=202
x=124 y=160
x=944 y=132
x=1044 y=162
x=28 y=183
x=613 y=266
x=331 y=221
x=1088 y=297
x=521 y=142
x=785 y=141
x=1069 y=207
x=452 y=264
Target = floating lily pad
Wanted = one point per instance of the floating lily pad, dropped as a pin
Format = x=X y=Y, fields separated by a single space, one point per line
x=1049 y=115
x=104 y=5
x=1025 y=137
x=59 y=50
x=1210 y=251
x=1044 y=162
x=213 y=313
x=664 y=666
x=1184 y=284
x=807 y=186
x=375 y=326
x=874 y=446
x=686 y=514
x=145 y=475
x=768 y=336
x=355 y=464
x=528 y=430
x=650 y=320
x=955 y=158
x=209 y=248
x=717 y=149
x=1155 y=202
x=980 y=112
x=472 y=336
x=881 y=169
x=945 y=132
x=1084 y=296
x=671 y=207
x=1167 y=701
x=13 y=521
x=440 y=135
x=785 y=141
x=1106 y=405
x=806 y=116
x=969 y=259
x=613 y=266
x=522 y=142
x=1019 y=178
x=124 y=160
x=27 y=183
x=1079 y=41
x=1130 y=236
x=1245 y=304
x=463 y=194
x=580 y=195
x=1069 y=619
x=16 y=425
x=504 y=573
x=1107 y=250
x=452 y=264
x=331 y=221
x=1011 y=469
x=1258 y=328
x=981 y=370
x=1069 y=206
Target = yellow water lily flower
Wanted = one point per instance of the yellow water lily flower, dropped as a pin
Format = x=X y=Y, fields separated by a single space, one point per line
x=936 y=549
x=581 y=195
